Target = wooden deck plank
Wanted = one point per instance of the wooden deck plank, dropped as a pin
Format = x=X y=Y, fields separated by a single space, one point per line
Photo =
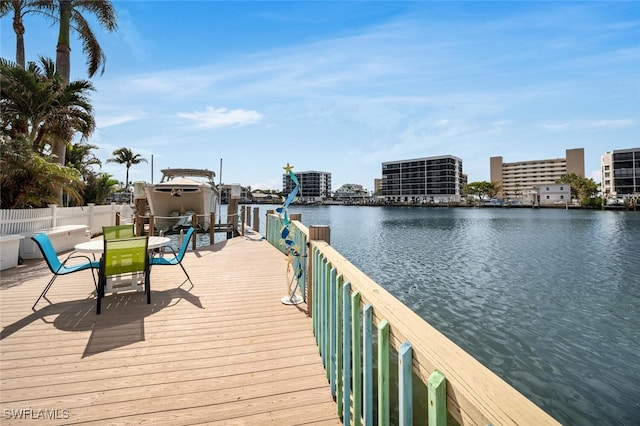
x=223 y=351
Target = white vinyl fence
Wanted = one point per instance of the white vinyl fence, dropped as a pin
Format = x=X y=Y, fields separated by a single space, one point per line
x=22 y=221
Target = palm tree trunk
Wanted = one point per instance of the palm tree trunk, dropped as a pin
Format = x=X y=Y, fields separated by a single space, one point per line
x=63 y=50
x=18 y=28
x=59 y=149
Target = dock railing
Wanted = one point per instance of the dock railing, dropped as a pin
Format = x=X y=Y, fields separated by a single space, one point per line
x=385 y=364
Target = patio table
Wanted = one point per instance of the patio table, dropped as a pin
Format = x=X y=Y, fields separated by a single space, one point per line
x=97 y=246
x=124 y=282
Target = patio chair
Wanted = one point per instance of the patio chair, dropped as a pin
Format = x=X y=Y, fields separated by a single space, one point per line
x=61 y=268
x=177 y=258
x=124 y=256
x=118 y=231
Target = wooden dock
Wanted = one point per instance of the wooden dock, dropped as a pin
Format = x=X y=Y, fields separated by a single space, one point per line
x=223 y=351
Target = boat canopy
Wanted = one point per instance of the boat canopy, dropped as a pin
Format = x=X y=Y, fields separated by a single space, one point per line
x=168 y=174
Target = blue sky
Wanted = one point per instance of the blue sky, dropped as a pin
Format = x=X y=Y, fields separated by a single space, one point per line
x=343 y=86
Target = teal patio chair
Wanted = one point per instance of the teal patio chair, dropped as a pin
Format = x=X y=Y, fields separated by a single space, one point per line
x=124 y=256
x=118 y=231
x=177 y=258
x=60 y=268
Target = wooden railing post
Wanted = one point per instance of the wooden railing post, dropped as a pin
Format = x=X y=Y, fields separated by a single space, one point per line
x=212 y=228
x=266 y=223
x=152 y=224
x=247 y=212
x=295 y=216
x=256 y=219
x=139 y=225
x=316 y=233
x=117 y=218
x=232 y=217
x=194 y=223
x=243 y=215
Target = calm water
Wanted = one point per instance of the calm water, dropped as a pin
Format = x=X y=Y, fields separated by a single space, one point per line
x=547 y=299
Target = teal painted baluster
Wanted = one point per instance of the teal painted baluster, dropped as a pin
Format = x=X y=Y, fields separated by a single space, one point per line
x=356 y=339
x=314 y=289
x=346 y=341
x=405 y=389
x=332 y=331
x=322 y=318
x=367 y=365
x=301 y=242
x=327 y=319
x=437 y=395
x=339 y=345
x=383 y=373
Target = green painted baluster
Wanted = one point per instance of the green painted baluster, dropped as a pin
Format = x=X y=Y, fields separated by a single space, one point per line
x=339 y=345
x=367 y=364
x=332 y=331
x=383 y=373
x=405 y=389
x=346 y=350
x=437 y=395
x=356 y=339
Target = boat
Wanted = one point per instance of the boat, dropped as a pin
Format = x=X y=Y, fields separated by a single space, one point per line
x=181 y=194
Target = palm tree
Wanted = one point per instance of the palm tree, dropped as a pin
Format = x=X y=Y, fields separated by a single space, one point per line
x=127 y=157
x=38 y=106
x=69 y=15
x=20 y=8
x=29 y=179
x=98 y=187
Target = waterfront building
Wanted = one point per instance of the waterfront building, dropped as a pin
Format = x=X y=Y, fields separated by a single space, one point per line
x=620 y=173
x=351 y=193
x=314 y=186
x=423 y=180
x=525 y=177
x=556 y=193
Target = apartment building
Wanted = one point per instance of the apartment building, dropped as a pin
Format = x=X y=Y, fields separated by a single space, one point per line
x=520 y=178
x=423 y=180
x=620 y=173
x=315 y=186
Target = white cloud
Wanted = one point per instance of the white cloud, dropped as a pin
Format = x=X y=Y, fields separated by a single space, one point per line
x=222 y=117
x=587 y=124
x=601 y=124
x=115 y=120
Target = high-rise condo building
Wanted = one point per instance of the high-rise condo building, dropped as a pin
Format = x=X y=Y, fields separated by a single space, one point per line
x=620 y=172
x=314 y=186
x=522 y=177
x=423 y=180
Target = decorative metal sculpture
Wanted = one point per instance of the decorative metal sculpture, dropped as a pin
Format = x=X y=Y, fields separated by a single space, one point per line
x=292 y=250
